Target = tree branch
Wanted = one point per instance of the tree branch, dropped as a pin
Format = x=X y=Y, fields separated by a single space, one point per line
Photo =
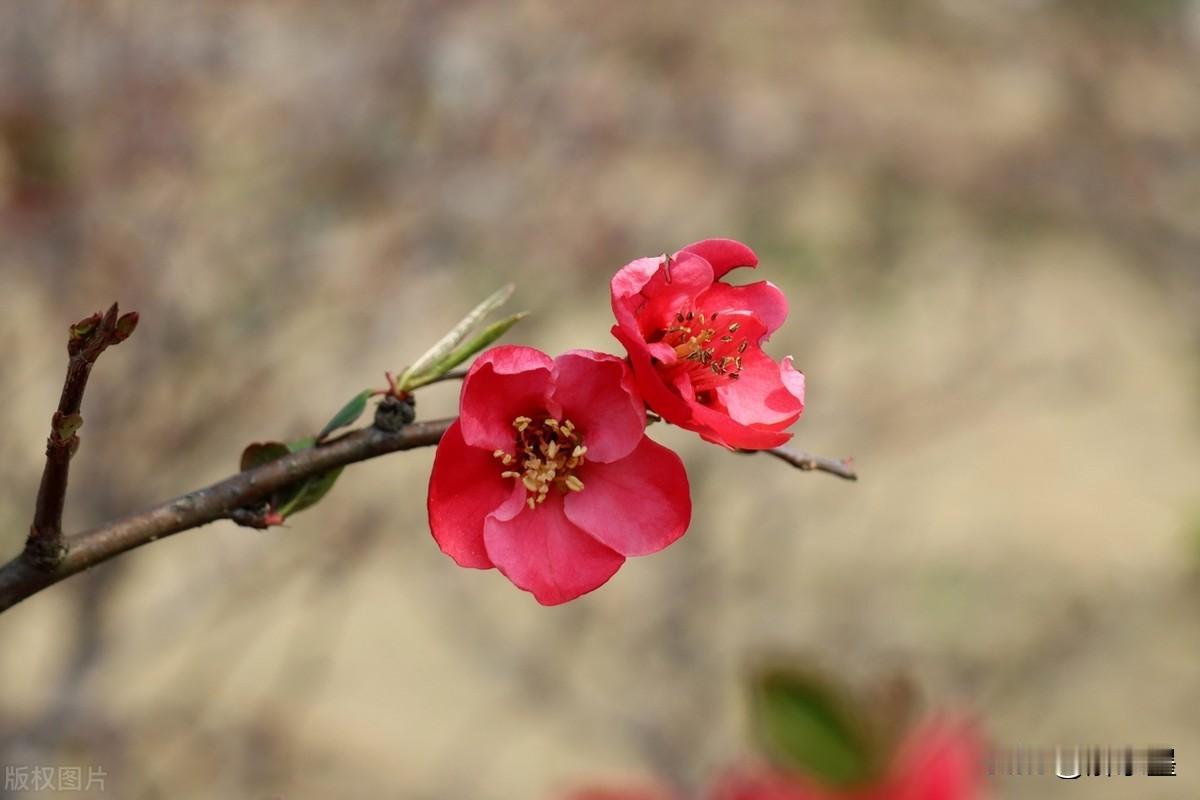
x=20 y=578
x=88 y=338
x=229 y=498
x=842 y=468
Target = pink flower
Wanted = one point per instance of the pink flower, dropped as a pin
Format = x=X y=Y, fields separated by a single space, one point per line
x=548 y=475
x=694 y=342
x=938 y=761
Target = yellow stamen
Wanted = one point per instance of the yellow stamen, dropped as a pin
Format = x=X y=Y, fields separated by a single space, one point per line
x=548 y=451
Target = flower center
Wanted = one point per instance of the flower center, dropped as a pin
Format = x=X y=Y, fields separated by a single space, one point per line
x=709 y=351
x=547 y=454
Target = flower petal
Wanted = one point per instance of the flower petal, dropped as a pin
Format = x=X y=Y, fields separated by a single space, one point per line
x=763 y=299
x=673 y=290
x=793 y=379
x=464 y=488
x=723 y=254
x=637 y=505
x=938 y=761
x=645 y=296
x=596 y=393
x=767 y=393
x=626 y=287
x=656 y=392
x=716 y=426
x=504 y=383
x=544 y=553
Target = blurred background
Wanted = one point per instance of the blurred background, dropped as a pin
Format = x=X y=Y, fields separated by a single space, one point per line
x=986 y=214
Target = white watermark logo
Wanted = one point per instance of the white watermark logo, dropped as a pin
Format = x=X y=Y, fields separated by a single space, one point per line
x=46 y=778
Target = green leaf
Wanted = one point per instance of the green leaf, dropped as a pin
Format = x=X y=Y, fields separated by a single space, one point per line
x=452 y=339
x=297 y=497
x=301 y=444
x=261 y=452
x=804 y=725
x=348 y=413
x=464 y=351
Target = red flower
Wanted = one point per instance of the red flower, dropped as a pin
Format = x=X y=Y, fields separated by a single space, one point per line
x=695 y=345
x=939 y=761
x=548 y=475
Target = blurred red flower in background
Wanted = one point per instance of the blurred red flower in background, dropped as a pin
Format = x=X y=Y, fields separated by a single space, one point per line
x=938 y=761
x=548 y=475
x=694 y=343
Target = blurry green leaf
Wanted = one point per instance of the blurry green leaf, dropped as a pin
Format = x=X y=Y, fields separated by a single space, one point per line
x=447 y=343
x=348 y=413
x=261 y=452
x=301 y=444
x=297 y=497
x=804 y=725
x=464 y=351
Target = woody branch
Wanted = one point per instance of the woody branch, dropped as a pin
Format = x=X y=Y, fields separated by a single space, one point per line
x=87 y=339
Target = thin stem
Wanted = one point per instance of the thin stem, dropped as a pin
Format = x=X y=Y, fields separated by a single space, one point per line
x=87 y=340
x=842 y=468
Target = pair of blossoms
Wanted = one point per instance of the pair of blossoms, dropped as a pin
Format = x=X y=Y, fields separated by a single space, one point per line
x=548 y=475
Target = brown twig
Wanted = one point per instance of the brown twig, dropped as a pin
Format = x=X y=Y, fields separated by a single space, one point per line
x=842 y=468
x=19 y=578
x=88 y=338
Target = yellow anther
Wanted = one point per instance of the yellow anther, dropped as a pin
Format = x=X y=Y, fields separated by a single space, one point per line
x=548 y=452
